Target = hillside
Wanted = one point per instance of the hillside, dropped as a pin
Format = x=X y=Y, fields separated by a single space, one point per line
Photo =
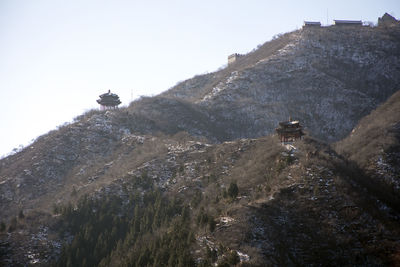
x=292 y=208
x=374 y=146
x=329 y=78
x=193 y=177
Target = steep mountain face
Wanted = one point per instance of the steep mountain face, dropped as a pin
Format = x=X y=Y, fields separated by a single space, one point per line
x=32 y=177
x=374 y=145
x=329 y=78
x=293 y=207
x=176 y=162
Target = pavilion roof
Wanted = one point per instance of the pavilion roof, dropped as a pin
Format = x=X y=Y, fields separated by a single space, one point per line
x=109 y=99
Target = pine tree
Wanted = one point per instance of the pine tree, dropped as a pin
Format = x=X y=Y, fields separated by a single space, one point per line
x=21 y=214
x=2 y=226
x=233 y=190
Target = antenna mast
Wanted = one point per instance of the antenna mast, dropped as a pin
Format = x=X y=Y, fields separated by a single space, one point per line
x=326 y=17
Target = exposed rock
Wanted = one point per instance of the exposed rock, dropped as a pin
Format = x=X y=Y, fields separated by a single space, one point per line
x=297 y=205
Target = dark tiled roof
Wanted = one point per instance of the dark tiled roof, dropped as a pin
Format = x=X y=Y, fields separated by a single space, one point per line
x=109 y=99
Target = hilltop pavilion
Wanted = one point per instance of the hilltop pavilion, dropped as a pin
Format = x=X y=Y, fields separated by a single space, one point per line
x=108 y=101
x=289 y=131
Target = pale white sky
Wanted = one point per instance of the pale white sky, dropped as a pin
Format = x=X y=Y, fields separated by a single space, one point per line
x=57 y=56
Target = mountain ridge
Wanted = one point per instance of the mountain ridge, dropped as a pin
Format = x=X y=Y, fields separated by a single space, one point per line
x=320 y=55
x=193 y=145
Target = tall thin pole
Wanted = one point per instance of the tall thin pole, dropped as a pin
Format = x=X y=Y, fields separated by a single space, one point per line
x=326 y=17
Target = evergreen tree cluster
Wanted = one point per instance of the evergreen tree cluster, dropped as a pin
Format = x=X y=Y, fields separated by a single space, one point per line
x=149 y=230
x=205 y=219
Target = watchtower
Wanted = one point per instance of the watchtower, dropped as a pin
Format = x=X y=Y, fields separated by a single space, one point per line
x=289 y=131
x=232 y=58
x=108 y=101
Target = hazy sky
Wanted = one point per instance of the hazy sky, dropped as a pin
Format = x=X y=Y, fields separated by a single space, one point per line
x=56 y=57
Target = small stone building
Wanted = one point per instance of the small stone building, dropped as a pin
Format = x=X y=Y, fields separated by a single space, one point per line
x=311 y=24
x=108 y=101
x=339 y=22
x=289 y=131
x=232 y=58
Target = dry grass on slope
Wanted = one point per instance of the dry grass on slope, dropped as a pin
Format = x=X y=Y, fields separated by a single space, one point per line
x=374 y=147
x=377 y=132
x=197 y=87
x=291 y=210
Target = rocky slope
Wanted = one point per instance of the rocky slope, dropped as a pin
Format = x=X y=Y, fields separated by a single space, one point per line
x=374 y=146
x=31 y=178
x=302 y=205
x=328 y=77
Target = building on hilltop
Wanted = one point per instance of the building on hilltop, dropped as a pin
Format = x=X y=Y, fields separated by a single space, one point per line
x=339 y=22
x=311 y=24
x=388 y=21
x=108 y=101
x=289 y=131
x=232 y=58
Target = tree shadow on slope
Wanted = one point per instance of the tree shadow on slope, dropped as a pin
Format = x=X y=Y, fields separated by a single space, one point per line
x=301 y=230
x=171 y=116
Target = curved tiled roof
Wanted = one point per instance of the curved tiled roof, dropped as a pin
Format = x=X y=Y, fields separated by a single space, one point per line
x=109 y=99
